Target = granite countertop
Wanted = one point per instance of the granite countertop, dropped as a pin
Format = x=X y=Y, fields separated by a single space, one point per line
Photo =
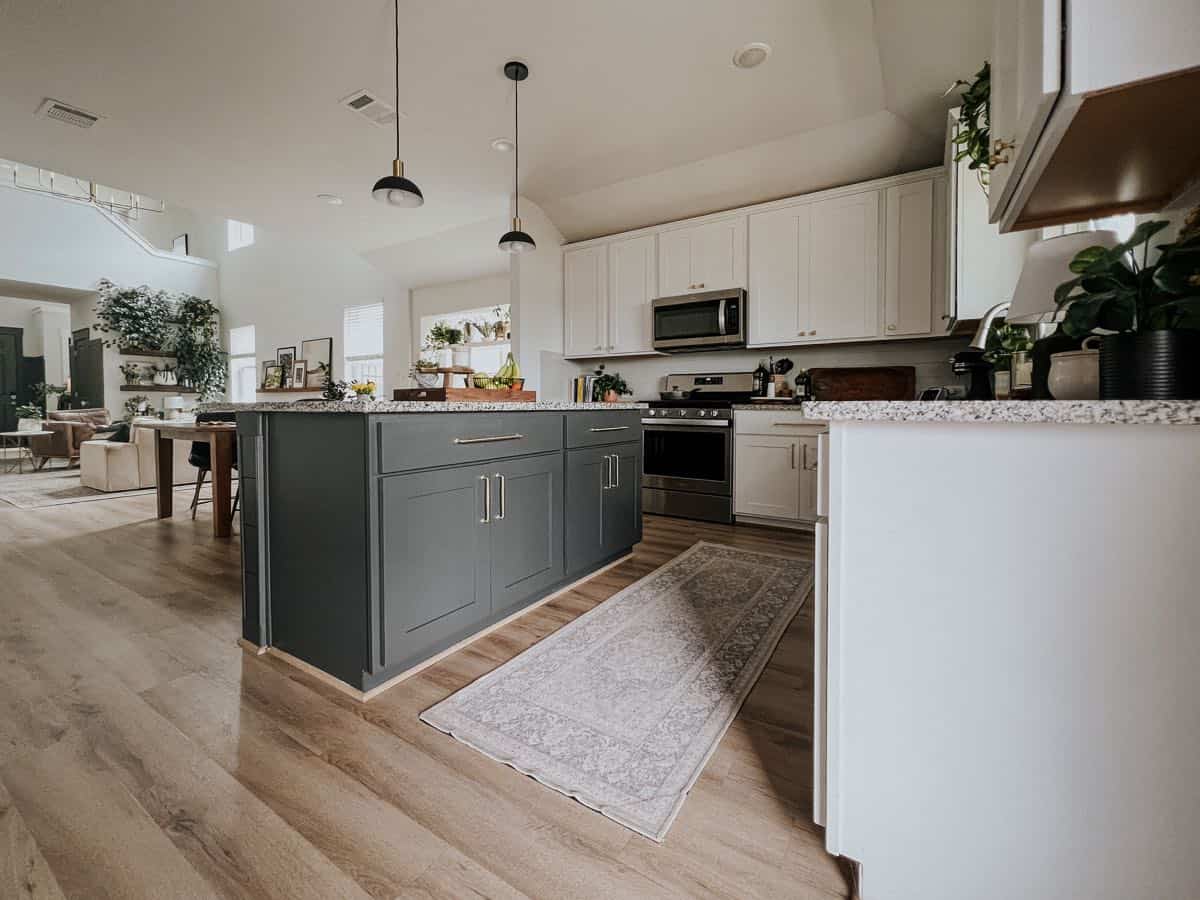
x=1063 y=412
x=394 y=406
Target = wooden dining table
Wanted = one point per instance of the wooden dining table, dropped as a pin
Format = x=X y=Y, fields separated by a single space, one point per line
x=220 y=437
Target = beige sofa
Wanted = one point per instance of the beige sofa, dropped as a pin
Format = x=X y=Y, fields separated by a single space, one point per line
x=119 y=466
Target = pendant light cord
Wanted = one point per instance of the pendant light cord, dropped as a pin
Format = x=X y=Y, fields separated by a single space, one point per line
x=397 y=112
x=516 y=147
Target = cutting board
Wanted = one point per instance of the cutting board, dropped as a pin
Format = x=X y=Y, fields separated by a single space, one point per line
x=865 y=383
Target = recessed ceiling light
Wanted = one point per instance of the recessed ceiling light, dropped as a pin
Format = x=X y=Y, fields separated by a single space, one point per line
x=331 y=199
x=750 y=55
x=502 y=144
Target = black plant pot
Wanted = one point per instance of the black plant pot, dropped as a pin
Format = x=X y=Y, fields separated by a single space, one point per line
x=1153 y=365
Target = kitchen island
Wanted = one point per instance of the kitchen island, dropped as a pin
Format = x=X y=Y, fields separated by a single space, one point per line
x=1008 y=646
x=377 y=535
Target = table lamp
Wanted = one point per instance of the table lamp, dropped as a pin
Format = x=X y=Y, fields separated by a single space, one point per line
x=1047 y=265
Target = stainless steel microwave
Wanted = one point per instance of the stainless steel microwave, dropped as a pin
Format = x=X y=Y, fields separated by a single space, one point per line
x=709 y=320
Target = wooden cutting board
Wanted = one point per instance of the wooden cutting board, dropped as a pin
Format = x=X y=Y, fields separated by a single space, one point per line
x=865 y=383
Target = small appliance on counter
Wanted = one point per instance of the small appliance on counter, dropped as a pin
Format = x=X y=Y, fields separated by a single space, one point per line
x=687 y=456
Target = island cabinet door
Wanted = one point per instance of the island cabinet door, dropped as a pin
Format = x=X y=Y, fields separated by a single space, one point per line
x=588 y=472
x=622 y=500
x=435 y=556
x=526 y=529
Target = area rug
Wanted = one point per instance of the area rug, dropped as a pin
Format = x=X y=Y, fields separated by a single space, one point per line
x=622 y=707
x=56 y=486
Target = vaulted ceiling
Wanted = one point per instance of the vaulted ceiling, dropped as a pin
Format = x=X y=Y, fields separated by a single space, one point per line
x=633 y=113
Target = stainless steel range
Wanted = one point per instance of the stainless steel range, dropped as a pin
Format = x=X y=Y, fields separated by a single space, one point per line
x=687 y=466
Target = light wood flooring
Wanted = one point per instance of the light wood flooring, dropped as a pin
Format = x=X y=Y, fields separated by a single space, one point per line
x=143 y=754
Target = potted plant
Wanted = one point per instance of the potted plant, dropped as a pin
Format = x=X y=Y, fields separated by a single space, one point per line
x=609 y=388
x=136 y=406
x=1148 y=313
x=46 y=395
x=363 y=390
x=131 y=372
x=138 y=317
x=203 y=365
x=502 y=327
x=973 y=137
x=29 y=417
x=447 y=339
x=1003 y=342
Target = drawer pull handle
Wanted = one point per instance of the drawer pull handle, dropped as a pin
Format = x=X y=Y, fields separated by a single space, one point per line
x=489 y=440
x=610 y=428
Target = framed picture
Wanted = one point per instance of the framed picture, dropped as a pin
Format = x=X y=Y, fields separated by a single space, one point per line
x=317 y=352
x=285 y=356
x=298 y=378
x=272 y=376
x=179 y=246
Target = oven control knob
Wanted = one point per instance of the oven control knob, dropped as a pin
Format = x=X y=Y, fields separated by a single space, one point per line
x=650 y=412
x=702 y=413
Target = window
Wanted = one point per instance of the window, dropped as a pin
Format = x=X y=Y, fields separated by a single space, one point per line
x=238 y=235
x=243 y=369
x=362 y=338
x=487 y=353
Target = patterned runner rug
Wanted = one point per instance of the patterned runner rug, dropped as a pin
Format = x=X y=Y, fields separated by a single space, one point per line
x=622 y=707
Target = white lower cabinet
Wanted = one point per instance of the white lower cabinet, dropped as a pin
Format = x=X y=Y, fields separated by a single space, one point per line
x=776 y=467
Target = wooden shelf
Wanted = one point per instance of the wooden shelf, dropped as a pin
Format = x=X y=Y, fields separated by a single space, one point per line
x=289 y=390
x=155 y=354
x=157 y=389
x=502 y=343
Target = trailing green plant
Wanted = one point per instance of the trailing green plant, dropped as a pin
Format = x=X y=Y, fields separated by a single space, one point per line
x=28 y=411
x=974 y=137
x=1003 y=341
x=202 y=362
x=606 y=382
x=1115 y=291
x=135 y=316
x=134 y=405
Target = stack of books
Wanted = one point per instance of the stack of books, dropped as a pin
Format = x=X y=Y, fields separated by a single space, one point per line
x=582 y=388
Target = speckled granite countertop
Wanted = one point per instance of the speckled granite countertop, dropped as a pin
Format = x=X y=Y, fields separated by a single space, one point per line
x=392 y=406
x=1063 y=412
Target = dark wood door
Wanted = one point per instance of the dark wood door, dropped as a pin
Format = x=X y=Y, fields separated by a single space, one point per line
x=436 y=560
x=11 y=352
x=527 y=529
x=87 y=374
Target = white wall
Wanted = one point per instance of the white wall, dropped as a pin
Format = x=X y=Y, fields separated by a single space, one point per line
x=537 y=308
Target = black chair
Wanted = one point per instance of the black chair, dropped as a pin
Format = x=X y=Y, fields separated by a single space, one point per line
x=200 y=456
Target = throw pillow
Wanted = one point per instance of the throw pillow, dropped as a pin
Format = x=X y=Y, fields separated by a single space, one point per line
x=120 y=433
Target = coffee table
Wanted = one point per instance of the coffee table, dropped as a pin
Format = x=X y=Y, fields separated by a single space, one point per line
x=13 y=439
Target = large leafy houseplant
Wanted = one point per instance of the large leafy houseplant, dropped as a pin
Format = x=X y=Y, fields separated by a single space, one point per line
x=202 y=362
x=1148 y=311
x=973 y=138
x=137 y=317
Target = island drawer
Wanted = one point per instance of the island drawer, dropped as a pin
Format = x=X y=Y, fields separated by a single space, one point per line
x=591 y=428
x=419 y=441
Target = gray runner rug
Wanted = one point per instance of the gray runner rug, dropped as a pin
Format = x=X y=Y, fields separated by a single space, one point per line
x=622 y=707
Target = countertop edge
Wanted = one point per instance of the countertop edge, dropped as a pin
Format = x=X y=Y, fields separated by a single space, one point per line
x=1017 y=412
x=385 y=407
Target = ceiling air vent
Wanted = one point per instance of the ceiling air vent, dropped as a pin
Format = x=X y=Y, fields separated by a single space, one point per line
x=72 y=115
x=371 y=108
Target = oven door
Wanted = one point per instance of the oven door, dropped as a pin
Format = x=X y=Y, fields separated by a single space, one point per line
x=694 y=457
x=697 y=321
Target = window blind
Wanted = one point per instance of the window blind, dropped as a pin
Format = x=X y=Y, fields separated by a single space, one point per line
x=362 y=330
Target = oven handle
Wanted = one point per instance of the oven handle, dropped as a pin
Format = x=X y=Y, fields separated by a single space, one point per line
x=686 y=423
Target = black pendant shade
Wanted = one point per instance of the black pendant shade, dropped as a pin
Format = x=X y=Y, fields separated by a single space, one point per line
x=395 y=189
x=516 y=241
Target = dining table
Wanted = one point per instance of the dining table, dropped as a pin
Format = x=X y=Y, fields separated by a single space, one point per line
x=220 y=436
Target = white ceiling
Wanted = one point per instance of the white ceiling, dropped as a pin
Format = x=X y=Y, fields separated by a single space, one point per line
x=231 y=106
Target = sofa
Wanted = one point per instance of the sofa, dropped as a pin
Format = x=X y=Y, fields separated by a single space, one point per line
x=70 y=429
x=126 y=466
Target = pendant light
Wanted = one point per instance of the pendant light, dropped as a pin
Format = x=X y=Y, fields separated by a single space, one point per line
x=395 y=189
x=516 y=241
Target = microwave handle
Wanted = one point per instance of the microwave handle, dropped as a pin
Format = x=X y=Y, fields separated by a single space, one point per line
x=721 y=318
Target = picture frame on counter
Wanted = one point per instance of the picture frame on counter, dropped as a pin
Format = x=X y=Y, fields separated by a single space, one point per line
x=316 y=352
x=272 y=376
x=299 y=378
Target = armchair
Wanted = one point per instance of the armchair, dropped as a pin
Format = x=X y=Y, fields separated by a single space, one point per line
x=70 y=427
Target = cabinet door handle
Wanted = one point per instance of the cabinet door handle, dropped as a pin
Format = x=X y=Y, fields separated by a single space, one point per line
x=489 y=440
x=792 y=453
x=503 y=496
x=487 y=499
x=610 y=428
x=616 y=470
x=606 y=475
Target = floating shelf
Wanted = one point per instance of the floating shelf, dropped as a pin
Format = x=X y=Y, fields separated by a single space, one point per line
x=158 y=389
x=480 y=344
x=156 y=354
x=289 y=390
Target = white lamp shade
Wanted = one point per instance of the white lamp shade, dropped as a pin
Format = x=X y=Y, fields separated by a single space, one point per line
x=1047 y=265
x=173 y=403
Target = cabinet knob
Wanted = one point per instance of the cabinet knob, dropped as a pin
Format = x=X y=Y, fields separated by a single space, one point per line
x=891 y=328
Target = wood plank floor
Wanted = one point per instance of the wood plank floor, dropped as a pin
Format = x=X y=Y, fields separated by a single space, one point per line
x=142 y=754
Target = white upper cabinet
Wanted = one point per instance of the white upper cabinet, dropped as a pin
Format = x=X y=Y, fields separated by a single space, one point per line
x=632 y=280
x=780 y=294
x=706 y=257
x=909 y=274
x=1026 y=66
x=585 y=294
x=844 y=268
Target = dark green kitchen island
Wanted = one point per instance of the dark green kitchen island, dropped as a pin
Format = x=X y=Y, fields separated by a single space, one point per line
x=377 y=535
